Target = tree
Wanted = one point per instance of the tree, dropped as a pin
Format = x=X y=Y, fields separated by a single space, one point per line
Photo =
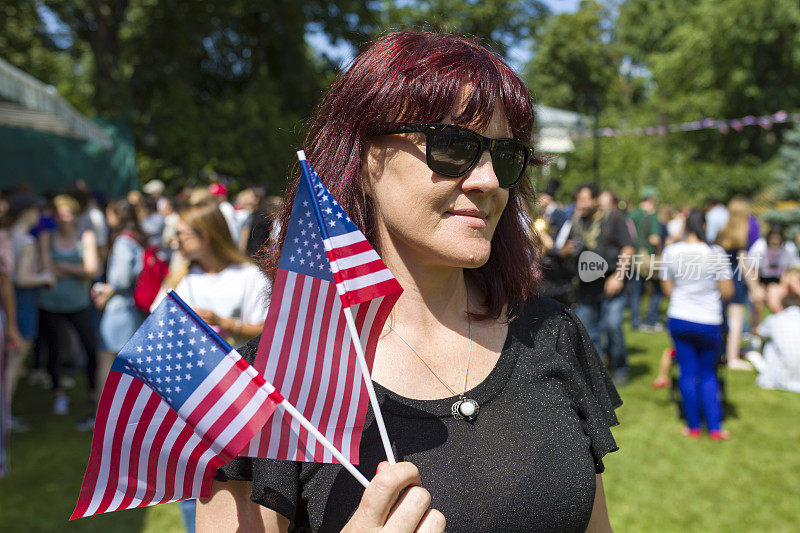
x=574 y=65
x=499 y=24
x=787 y=211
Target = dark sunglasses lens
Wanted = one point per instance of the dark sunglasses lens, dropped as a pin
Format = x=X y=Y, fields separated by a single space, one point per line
x=452 y=151
x=509 y=159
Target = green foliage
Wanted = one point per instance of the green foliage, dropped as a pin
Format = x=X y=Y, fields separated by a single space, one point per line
x=574 y=67
x=498 y=23
x=788 y=180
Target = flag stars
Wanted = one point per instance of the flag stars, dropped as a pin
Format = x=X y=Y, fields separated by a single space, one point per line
x=183 y=319
x=200 y=362
x=161 y=323
x=202 y=351
x=139 y=349
x=187 y=377
x=159 y=346
x=158 y=369
x=332 y=223
x=149 y=359
x=171 y=322
x=179 y=344
x=189 y=353
x=169 y=333
x=177 y=389
x=339 y=214
x=159 y=358
x=150 y=336
x=160 y=334
x=178 y=378
x=192 y=341
x=193 y=329
x=188 y=367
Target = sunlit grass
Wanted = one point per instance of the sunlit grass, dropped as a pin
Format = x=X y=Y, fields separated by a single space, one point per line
x=658 y=481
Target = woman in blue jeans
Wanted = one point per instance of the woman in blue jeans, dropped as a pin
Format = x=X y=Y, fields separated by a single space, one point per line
x=697 y=278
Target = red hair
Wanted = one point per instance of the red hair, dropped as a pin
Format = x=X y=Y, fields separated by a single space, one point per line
x=420 y=77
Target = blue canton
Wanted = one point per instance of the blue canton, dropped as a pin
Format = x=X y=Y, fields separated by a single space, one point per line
x=171 y=353
x=303 y=250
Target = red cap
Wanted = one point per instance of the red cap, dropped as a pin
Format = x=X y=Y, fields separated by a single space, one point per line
x=218 y=189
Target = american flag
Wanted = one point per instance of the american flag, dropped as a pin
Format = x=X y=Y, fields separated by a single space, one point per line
x=305 y=351
x=178 y=403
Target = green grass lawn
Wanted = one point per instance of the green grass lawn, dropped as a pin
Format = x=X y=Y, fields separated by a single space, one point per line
x=658 y=481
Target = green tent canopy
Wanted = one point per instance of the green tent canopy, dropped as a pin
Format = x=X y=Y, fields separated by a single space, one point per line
x=48 y=144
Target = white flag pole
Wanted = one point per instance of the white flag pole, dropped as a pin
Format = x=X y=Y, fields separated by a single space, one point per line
x=355 y=338
x=271 y=391
x=362 y=361
x=325 y=442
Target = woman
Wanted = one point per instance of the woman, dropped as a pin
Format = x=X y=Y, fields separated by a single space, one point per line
x=697 y=278
x=222 y=285
x=772 y=254
x=73 y=257
x=449 y=226
x=120 y=317
x=735 y=240
x=24 y=212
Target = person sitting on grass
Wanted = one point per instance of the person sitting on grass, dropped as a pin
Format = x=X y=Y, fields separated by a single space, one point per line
x=779 y=367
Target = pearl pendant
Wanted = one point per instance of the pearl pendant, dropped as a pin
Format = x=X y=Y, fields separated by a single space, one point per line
x=465 y=409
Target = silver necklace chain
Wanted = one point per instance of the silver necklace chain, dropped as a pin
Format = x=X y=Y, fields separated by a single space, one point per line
x=469 y=357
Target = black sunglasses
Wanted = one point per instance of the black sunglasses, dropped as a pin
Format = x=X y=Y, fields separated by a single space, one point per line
x=452 y=150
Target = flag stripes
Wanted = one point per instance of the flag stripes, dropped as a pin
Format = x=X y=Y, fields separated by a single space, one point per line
x=151 y=446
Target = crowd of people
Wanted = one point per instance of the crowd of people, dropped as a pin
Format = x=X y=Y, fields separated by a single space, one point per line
x=79 y=275
x=74 y=261
x=721 y=267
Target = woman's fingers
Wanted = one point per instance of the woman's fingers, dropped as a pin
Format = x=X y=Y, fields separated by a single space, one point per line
x=432 y=522
x=383 y=491
x=407 y=513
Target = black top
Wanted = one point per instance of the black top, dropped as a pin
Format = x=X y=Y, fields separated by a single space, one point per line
x=527 y=463
x=605 y=236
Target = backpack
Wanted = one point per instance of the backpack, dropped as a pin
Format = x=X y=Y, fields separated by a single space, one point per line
x=149 y=280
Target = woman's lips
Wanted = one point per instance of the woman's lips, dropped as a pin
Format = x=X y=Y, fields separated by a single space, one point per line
x=473 y=218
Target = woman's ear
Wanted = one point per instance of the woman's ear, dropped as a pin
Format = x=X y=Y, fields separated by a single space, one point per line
x=363 y=170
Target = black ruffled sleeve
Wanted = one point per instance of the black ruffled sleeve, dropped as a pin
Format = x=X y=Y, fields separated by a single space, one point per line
x=594 y=395
x=276 y=484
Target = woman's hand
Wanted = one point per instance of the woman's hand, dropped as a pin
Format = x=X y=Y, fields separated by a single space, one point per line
x=395 y=502
x=101 y=292
x=209 y=316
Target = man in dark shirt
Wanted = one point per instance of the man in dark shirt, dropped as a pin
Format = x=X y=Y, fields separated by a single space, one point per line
x=602 y=245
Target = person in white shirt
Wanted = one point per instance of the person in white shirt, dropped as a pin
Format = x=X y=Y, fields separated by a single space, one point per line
x=779 y=368
x=697 y=277
x=222 y=285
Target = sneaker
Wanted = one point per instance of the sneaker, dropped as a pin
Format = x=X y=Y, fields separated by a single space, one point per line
x=61 y=405
x=87 y=424
x=692 y=433
x=739 y=364
x=719 y=434
x=39 y=377
x=621 y=377
x=15 y=425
